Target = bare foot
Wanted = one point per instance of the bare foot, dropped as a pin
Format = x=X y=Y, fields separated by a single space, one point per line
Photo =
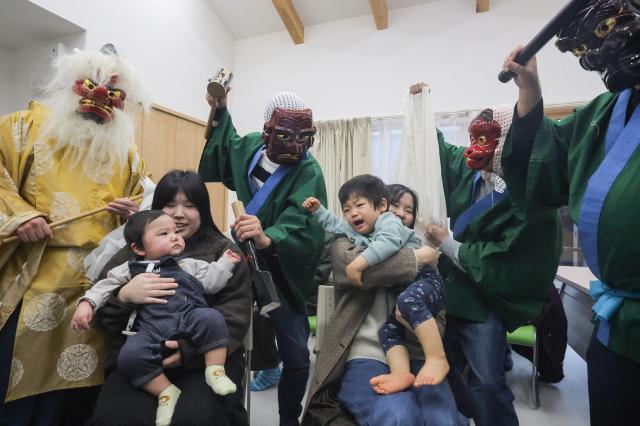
x=433 y=372
x=391 y=383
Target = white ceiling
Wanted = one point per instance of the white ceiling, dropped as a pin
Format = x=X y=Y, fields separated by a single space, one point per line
x=22 y=23
x=248 y=18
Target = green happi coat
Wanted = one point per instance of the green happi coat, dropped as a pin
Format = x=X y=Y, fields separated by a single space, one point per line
x=510 y=260
x=564 y=155
x=295 y=234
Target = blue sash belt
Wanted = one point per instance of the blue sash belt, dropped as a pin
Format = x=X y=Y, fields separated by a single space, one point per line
x=621 y=142
x=477 y=209
x=261 y=195
x=608 y=300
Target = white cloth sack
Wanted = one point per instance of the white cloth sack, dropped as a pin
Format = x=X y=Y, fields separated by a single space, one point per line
x=114 y=240
x=419 y=160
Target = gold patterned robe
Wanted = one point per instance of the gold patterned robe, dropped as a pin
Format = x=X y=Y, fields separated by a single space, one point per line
x=48 y=276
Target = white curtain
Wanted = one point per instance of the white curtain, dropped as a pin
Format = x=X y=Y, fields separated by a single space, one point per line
x=386 y=143
x=453 y=126
x=385 y=140
x=418 y=163
x=349 y=147
x=343 y=149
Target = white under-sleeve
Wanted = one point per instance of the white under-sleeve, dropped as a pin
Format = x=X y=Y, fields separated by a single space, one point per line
x=450 y=248
x=214 y=276
x=101 y=291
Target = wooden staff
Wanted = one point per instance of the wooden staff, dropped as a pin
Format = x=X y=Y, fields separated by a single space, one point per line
x=562 y=18
x=69 y=219
x=263 y=286
x=208 y=131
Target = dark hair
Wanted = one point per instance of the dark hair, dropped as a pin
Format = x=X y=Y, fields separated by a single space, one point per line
x=484 y=115
x=194 y=189
x=134 y=228
x=396 y=191
x=366 y=186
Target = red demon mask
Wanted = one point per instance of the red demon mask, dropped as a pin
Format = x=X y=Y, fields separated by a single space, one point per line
x=98 y=100
x=288 y=135
x=484 y=140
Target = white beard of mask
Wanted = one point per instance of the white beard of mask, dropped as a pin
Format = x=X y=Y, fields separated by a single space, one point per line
x=100 y=147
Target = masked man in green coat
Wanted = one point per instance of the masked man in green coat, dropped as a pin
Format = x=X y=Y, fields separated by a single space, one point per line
x=589 y=161
x=272 y=173
x=497 y=267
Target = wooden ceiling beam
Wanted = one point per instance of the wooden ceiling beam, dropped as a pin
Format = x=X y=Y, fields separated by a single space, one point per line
x=482 y=5
x=291 y=20
x=380 y=13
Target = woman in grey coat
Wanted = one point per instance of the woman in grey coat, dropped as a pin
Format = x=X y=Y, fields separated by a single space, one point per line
x=351 y=353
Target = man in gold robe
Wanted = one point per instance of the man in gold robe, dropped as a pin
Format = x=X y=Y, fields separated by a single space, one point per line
x=71 y=153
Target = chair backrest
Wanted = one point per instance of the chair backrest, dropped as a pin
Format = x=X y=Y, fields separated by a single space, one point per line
x=326 y=309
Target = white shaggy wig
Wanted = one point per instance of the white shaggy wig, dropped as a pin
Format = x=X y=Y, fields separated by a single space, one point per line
x=100 y=146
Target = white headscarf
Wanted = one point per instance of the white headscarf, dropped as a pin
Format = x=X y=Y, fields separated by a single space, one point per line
x=503 y=114
x=285 y=100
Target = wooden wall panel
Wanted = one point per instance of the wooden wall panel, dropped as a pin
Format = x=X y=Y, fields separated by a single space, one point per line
x=139 y=117
x=218 y=199
x=158 y=143
x=170 y=140
x=189 y=145
x=189 y=142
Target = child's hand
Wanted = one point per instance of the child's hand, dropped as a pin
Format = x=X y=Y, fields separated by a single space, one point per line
x=82 y=317
x=354 y=275
x=436 y=233
x=232 y=256
x=355 y=268
x=312 y=204
x=426 y=256
x=414 y=89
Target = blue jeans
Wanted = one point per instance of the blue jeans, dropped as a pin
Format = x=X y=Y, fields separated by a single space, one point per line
x=292 y=335
x=427 y=405
x=483 y=346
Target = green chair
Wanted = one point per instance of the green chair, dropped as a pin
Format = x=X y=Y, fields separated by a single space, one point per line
x=526 y=336
x=312 y=324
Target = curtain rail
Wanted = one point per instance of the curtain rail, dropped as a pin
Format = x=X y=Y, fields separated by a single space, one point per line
x=467 y=111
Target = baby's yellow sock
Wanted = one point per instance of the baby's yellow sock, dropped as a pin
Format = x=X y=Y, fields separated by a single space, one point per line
x=166 y=405
x=218 y=380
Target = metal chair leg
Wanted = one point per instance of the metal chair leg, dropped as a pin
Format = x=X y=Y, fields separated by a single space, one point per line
x=535 y=391
x=248 y=344
x=247 y=381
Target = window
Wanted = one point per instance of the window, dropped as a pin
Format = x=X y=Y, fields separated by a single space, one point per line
x=386 y=134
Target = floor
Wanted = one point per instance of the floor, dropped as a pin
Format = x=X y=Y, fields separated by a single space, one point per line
x=561 y=404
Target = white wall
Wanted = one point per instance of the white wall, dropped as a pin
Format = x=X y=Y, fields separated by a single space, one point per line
x=176 y=44
x=31 y=68
x=348 y=69
x=6 y=76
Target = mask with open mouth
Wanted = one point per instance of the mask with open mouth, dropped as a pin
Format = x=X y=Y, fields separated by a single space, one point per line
x=484 y=135
x=288 y=135
x=605 y=37
x=98 y=99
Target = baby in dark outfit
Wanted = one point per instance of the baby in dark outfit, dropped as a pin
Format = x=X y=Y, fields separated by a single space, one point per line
x=153 y=237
